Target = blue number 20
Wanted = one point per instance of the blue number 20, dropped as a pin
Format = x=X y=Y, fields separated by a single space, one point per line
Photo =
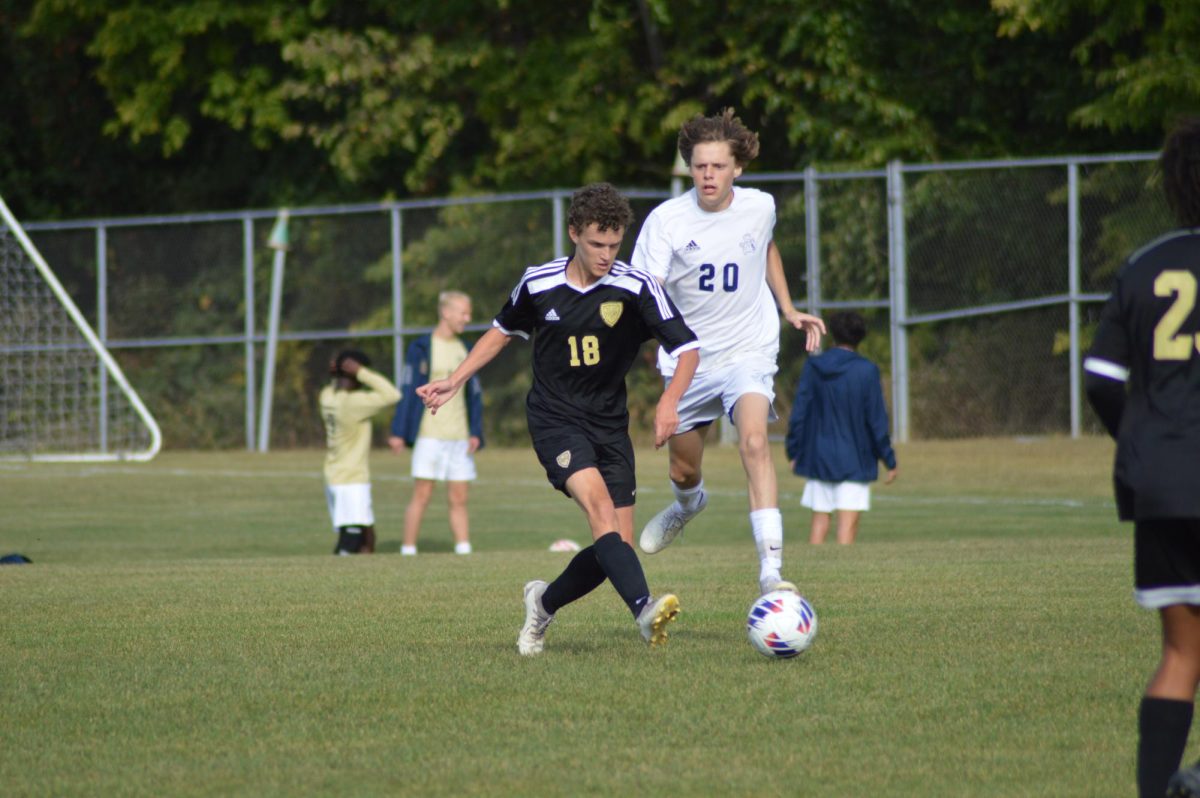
x=729 y=277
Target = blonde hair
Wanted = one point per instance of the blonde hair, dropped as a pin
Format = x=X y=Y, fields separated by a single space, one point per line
x=446 y=297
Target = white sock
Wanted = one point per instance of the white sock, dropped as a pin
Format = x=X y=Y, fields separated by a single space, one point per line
x=463 y=547
x=408 y=551
x=689 y=498
x=767 y=526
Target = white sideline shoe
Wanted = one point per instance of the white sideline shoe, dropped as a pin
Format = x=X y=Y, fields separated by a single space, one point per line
x=654 y=617
x=533 y=633
x=666 y=526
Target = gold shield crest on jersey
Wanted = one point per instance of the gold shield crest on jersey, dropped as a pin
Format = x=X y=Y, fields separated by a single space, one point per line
x=611 y=311
x=564 y=459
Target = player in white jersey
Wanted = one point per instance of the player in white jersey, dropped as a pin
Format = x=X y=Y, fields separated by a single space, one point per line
x=713 y=250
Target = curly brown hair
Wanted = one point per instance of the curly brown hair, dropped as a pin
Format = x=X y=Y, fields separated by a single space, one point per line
x=1180 y=165
x=700 y=129
x=602 y=204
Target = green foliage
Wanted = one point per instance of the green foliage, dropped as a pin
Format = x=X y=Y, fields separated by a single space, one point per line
x=429 y=98
x=1138 y=55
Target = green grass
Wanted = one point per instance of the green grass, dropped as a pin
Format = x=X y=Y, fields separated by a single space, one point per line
x=184 y=631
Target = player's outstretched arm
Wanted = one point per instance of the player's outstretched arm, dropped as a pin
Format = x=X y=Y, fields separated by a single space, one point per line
x=437 y=393
x=666 y=414
x=813 y=326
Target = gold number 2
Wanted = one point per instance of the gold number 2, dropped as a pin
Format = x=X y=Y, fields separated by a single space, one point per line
x=1168 y=345
x=591 y=350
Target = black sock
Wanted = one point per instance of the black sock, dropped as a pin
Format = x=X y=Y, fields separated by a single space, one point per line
x=581 y=576
x=349 y=539
x=623 y=569
x=1163 y=726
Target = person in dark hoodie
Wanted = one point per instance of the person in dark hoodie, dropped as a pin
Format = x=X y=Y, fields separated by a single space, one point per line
x=838 y=431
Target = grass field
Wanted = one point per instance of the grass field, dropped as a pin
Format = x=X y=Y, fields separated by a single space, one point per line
x=184 y=631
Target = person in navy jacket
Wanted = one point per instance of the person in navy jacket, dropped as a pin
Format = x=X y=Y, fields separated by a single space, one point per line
x=838 y=431
x=443 y=446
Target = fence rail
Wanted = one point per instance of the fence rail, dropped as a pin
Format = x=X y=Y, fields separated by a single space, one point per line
x=985 y=276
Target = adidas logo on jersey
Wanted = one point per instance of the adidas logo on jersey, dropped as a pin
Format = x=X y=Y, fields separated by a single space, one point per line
x=692 y=246
x=552 y=315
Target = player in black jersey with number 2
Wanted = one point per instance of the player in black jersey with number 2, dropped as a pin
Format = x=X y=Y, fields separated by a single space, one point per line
x=1143 y=379
x=588 y=315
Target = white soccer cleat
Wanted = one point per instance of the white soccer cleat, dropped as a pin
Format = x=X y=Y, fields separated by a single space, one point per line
x=533 y=633
x=654 y=617
x=778 y=584
x=666 y=526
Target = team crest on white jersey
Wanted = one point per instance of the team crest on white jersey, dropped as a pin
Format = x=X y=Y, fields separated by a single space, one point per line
x=552 y=315
x=564 y=459
x=611 y=312
x=692 y=246
x=747 y=244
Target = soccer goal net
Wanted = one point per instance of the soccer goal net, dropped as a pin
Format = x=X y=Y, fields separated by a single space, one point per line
x=62 y=396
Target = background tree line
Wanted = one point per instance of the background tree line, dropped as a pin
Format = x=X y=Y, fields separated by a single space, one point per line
x=123 y=107
x=126 y=106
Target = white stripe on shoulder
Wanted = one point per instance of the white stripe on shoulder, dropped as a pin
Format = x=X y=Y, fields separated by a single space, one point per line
x=538 y=272
x=1105 y=368
x=510 y=333
x=644 y=280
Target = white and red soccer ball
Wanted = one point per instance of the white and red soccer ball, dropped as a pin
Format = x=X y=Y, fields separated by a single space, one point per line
x=781 y=624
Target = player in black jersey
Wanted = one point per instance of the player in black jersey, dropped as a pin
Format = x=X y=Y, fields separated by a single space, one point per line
x=588 y=315
x=1143 y=379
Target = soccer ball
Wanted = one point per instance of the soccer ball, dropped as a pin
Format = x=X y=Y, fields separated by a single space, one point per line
x=781 y=624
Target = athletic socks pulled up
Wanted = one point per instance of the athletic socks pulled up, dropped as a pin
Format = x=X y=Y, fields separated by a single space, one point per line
x=689 y=498
x=767 y=526
x=1163 y=726
x=623 y=569
x=581 y=576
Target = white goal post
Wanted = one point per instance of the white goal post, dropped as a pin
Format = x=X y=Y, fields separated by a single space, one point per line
x=55 y=399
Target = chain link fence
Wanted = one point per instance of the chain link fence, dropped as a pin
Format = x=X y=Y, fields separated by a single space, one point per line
x=981 y=284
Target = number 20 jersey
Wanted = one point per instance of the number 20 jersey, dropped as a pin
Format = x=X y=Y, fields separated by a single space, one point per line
x=585 y=339
x=1149 y=338
x=714 y=267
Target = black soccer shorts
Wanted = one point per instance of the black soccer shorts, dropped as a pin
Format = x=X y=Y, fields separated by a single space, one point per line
x=565 y=448
x=1166 y=562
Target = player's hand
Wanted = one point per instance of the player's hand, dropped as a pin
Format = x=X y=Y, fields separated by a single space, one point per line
x=437 y=393
x=666 y=421
x=473 y=444
x=350 y=366
x=813 y=327
x=891 y=475
x=396 y=444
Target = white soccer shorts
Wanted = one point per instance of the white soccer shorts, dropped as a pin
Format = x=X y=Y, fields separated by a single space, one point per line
x=350 y=505
x=714 y=392
x=826 y=497
x=444 y=461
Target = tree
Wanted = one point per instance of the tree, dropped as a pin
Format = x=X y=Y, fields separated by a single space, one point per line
x=276 y=103
x=1140 y=56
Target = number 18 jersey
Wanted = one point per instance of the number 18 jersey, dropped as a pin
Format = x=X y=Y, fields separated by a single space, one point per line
x=585 y=339
x=714 y=266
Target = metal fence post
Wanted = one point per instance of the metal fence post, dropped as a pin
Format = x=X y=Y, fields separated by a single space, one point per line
x=812 y=240
x=397 y=294
x=1073 y=292
x=898 y=299
x=248 y=326
x=560 y=245
x=102 y=326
